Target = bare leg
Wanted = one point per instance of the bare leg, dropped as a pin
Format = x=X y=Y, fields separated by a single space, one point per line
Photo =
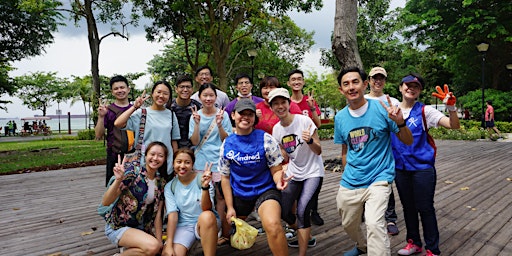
x=270 y=213
x=207 y=227
x=138 y=242
x=303 y=236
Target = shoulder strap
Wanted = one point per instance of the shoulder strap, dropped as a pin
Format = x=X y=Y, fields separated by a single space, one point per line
x=115 y=109
x=207 y=134
x=141 y=132
x=430 y=140
x=175 y=181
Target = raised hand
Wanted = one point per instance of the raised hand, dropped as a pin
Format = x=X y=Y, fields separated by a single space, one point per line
x=195 y=115
x=219 y=116
x=394 y=112
x=284 y=181
x=306 y=136
x=311 y=100
x=140 y=100
x=102 y=108
x=119 y=168
x=207 y=175
x=446 y=96
x=258 y=113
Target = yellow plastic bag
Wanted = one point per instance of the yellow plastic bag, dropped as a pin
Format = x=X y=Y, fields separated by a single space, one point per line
x=244 y=236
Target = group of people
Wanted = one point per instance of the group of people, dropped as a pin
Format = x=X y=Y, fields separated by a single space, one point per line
x=206 y=159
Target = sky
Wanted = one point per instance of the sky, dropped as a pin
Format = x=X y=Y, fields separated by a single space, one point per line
x=69 y=56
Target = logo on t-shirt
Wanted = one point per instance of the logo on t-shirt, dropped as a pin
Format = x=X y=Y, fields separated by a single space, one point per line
x=241 y=160
x=359 y=137
x=290 y=143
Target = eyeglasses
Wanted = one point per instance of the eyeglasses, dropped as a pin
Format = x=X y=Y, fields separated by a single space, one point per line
x=379 y=78
x=183 y=87
x=204 y=74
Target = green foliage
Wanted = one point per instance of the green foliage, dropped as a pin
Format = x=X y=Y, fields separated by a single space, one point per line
x=501 y=101
x=86 y=134
x=461 y=134
x=326 y=134
x=214 y=27
x=325 y=90
x=39 y=90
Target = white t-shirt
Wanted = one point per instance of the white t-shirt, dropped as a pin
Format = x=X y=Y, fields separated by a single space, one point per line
x=432 y=116
x=383 y=98
x=304 y=163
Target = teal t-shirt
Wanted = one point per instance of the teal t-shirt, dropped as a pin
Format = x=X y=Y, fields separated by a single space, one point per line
x=368 y=139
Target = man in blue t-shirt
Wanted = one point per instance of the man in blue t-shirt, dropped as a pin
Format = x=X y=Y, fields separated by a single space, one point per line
x=364 y=129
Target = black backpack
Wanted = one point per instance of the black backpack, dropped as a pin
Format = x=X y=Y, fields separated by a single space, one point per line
x=123 y=139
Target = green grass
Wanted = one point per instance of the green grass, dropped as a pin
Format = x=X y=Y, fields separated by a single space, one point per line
x=48 y=154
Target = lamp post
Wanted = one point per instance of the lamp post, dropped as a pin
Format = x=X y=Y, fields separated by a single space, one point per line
x=252 y=54
x=483 y=47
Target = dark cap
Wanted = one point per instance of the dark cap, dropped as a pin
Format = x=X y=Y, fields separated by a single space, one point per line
x=244 y=104
x=412 y=79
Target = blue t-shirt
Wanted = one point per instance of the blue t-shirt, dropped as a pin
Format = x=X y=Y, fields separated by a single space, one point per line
x=209 y=151
x=159 y=126
x=247 y=160
x=186 y=200
x=369 y=155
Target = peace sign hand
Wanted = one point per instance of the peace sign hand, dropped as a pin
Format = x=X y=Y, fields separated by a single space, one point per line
x=394 y=112
x=207 y=175
x=311 y=100
x=102 y=108
x=219 y=116
x=195 y=115
x=119 y=168
x=140 y=100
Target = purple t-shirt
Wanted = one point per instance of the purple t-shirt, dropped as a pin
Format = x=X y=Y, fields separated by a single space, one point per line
x=108 y=122
x=229 y=108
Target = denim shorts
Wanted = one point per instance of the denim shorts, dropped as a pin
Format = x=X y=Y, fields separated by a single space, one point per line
x=114 y=235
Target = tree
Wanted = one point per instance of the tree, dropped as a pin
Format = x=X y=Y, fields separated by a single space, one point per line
x=39 y=90
x=325 y=88
x=110 y=12
x=26 y=27
x=454 y=28
x=215 y=25
x=344 y=42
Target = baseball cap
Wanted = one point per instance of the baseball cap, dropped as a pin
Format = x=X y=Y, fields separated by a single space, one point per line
x=412 y=79
x=244 y=104
x=378 y=70
x=278 y=92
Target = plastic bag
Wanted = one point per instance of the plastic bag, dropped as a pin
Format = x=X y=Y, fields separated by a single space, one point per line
x=244 y=235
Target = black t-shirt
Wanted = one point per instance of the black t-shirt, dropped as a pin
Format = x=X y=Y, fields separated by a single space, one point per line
x=183 y=114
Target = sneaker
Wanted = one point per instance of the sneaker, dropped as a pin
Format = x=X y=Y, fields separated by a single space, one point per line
x=410 y=249
x=354 y=252
x=295 y=243
x=254 y=215
x=261 y=231
x=392 y=229
x=290 y=233
x=316 y=219
x=429 y=253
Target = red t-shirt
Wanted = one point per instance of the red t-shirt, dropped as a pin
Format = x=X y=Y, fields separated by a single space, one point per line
x=303 y=105
x=489 y=113
x=268 y=119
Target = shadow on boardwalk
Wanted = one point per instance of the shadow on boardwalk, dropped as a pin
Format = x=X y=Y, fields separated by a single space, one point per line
x=55 y=212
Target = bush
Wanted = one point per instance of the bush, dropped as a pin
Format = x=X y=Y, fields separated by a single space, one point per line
x=326 y=134
x=86 y=135
x=326 y=126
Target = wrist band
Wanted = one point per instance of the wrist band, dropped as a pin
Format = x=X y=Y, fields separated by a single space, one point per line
x=401 y=125
x=310 y=141
x=451 y=108
x=206 y=188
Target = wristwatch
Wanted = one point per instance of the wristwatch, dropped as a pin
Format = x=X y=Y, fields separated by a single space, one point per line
x=206 y=188
x=310 y=141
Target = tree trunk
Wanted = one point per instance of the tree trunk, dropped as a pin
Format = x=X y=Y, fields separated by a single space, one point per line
x=344 y=44
x=94 y=47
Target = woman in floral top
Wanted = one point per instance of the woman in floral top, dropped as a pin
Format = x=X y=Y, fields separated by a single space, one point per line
x=139 y=207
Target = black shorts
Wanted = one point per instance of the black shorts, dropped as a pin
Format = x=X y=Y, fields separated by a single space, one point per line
x=244 y=207
x=489 y=124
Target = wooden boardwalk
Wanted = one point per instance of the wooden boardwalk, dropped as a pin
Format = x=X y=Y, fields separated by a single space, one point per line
x=54 y=213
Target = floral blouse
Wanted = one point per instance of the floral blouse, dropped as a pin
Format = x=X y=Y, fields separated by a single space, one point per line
x=131 y=209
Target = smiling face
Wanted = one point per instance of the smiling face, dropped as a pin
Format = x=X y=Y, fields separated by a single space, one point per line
x=208 y=97
x=184 y=90
x=161 y=95
x=244 y=121
x=353 y=87
x=296 y=82
x=280 y=106
x=377 y=83
x=155 y=157
x=244 y=86
x=204 y=76
x=120 y=90
x=183 y=164
x=410 y=91
x=265 y=90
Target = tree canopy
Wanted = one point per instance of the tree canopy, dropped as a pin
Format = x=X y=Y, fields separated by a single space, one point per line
x=39 y=90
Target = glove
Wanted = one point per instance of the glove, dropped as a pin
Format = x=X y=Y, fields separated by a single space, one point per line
x=446 y=96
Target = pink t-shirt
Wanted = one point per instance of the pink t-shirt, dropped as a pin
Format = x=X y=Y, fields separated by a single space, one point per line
x=489 y=113
x=268 y=119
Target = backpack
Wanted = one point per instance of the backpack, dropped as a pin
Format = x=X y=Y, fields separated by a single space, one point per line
x=123 y=139
x=104 y=209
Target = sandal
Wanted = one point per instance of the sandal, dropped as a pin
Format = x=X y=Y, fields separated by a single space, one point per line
x=222 y=241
